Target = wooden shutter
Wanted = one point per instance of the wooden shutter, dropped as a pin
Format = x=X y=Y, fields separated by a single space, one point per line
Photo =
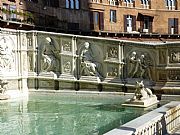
x=101 y=20
x=134 y=23
x=175 y=25
x=169 y=25
x=149 y=4
x=141 y=23
x=150 y=24
x=125 y=23
x=91 y=20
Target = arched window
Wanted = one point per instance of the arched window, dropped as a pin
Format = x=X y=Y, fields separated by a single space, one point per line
x=77 y=4
x=170 y=4
x=129 y=3
x=67 y=3
x=72 y=4
x=145 y=3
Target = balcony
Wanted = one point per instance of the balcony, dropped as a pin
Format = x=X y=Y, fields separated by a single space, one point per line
x=16 y=19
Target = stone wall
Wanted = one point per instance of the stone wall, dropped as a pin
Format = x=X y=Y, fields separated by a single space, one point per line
x=40 y=60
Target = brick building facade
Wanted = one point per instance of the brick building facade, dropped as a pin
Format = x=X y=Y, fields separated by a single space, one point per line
x=101 y=16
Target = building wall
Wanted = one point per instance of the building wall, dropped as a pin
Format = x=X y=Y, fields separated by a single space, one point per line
x=59 y=17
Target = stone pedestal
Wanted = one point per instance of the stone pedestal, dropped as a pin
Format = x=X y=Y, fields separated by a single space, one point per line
x=47 y=75
x=141 y=103
x=93 y=79
x=4 y=97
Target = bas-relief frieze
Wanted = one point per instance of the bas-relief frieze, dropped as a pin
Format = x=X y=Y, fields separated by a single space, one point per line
x=7 y=55
x=162 y=56
x=49 y=55
x=112 y=71
x=30 y=62
x=139 y=65
x=66 y=44
x=29 y=40
x=112 y=52
x=23 y=40
x=67 y=65
x=174 y=74
x=174 y=56
x=89 y=66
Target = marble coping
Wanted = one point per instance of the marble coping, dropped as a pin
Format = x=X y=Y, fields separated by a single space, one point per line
x=143 y=121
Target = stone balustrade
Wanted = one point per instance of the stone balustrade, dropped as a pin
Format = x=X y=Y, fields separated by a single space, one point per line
x=161 y=121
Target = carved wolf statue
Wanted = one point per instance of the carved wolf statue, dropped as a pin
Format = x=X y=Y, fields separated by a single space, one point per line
x=141 y=92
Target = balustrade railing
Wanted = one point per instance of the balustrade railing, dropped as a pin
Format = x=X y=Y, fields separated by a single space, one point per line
x=161 y=121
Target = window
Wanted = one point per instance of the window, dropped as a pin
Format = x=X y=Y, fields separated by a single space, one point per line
x=12 y=8
x=77 y=4
x=145 y=3
x=112 y=2
x=97 y=1
x=113 y=16
x=173 y=25
x=67 y=3
x=129 y=3
x=73 y=4
x=146 y=22
x=171 y=4
x=5 y=15
x=96 y=20
x=129 y=23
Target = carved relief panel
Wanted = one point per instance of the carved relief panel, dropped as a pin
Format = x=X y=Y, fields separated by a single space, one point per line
x=66 y=44
x=66 y=65
x=7 y=54
x=48 y=54
x=162 y=56
x=139 y=64
x=29 y=40
x=23 y=40
x=112 y=70
x=162 y=75
x=174 y=75
x=174 y=56
x=90 y=59
x=30 y=61
x=112 y=52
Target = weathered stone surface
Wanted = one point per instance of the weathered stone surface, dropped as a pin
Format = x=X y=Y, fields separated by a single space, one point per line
x=4 y=97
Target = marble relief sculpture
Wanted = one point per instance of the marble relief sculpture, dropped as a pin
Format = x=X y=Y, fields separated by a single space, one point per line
x=3 y=88
x=6 y=54
x=175 y=57
x=139 y=66
x=48 y=54
x=89 y=66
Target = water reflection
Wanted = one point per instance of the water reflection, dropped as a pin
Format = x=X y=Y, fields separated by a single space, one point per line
x=64 y=115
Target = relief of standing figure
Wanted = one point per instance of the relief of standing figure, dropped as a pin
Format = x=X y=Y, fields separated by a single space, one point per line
x=139 y=66
x=134 y=64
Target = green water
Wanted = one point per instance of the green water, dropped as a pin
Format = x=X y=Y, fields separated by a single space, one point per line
x=52 y=114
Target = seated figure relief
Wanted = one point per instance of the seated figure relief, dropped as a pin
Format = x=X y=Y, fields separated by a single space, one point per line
x=48 y=54
x=89 y=66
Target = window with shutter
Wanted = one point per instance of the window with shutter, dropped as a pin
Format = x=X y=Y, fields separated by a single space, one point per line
x=101 y=20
